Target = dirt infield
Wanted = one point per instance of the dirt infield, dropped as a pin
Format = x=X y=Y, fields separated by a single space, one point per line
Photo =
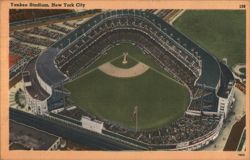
x=114 y=71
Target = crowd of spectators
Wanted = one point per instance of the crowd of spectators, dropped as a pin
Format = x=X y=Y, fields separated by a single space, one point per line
x=186 y=128
x=186 y=61
x=203 y=103
x=83 y=53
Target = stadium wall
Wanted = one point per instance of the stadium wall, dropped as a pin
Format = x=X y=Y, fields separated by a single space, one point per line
x=43 y=84
x=89 y=124
x=37 y=107
x=225 y=104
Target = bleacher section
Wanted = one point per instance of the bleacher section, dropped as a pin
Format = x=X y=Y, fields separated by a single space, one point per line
x=205 y=103
x=184 y=129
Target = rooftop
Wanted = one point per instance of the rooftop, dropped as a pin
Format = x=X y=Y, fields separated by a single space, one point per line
x=26 y=137
x=35 y=90
x=46 y=67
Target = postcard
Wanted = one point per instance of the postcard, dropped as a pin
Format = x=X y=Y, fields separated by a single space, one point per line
x=118 y=79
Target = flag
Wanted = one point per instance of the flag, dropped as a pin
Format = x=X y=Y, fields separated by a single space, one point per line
x=135 y=112
x=135 y=117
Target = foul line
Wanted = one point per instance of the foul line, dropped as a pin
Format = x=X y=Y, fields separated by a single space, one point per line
x=159 y=72
x=92 y=70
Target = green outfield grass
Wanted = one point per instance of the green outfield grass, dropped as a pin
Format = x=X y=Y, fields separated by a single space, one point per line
x=160 y=100
x=222 y=33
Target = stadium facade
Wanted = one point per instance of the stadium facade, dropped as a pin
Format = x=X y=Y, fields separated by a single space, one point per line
x=209 y=81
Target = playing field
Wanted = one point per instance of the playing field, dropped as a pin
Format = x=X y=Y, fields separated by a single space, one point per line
x=222 y=33
x=160 y=99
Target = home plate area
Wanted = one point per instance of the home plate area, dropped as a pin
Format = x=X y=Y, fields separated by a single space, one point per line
x=115 y=71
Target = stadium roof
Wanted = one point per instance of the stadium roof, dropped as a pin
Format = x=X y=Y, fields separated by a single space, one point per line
x=210 y=75
x=227 y=80
x=35 y=90
x=47 y=69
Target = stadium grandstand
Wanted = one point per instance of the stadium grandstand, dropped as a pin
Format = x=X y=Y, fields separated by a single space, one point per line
x=70 y=51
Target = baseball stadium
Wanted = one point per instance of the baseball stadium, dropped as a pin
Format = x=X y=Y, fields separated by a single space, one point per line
x=129 y=78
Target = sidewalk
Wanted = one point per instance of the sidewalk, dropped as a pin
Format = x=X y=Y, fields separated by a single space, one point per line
x=239 y=109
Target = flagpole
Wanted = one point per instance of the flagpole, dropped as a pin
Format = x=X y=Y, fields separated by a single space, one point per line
x=136 y=127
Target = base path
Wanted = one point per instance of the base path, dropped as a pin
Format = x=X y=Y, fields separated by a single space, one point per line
x=115 y=71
